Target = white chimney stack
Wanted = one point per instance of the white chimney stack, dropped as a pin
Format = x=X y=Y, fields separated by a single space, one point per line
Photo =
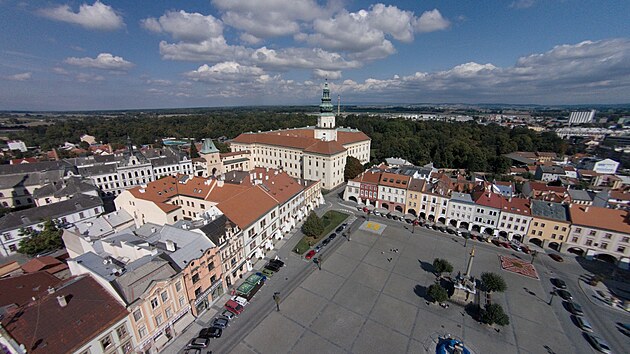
x=62 y=301
x=170 y=246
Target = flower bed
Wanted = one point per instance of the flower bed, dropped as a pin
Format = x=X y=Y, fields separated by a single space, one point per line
x=518 y=266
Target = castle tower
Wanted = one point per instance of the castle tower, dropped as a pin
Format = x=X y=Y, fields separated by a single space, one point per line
x=325 y=129
x=210 y=153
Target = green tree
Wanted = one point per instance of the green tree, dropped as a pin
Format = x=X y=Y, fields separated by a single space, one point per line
x=36 y=242
x=193 y=150
x=493 y=282
x=313 y=225
x=442 y=266
x=84 y=145
x=437 y=293
x=353 y=168
x=493 y=313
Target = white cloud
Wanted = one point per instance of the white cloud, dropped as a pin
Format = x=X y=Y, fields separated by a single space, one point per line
x=20 y=77
x=184 y=26
x=226 y=71
x=60 y=71
x=431 y=21
x=104 y=61
x=326 y=74
x=270 y=18
x=97 y=16
x=214 y=50
x=522 y=4
x=302 y=58
x=159 y=82
x=83 y=77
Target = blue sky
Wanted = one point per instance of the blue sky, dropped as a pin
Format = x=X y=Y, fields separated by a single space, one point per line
x=120 y=54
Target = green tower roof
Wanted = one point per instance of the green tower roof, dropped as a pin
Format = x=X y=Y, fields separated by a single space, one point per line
x=208 y=147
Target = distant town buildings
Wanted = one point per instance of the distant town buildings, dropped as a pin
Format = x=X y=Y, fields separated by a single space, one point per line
x=582 y=117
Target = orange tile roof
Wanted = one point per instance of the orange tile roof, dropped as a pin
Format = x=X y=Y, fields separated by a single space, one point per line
x=351 y=137
x=488 y=199
x=248 y=206
x=47 y=263
x=615 y=194
x=600 y=218
x=326 y=148
x=394 y=180
x=368 y=177
x=234 y=153
x=225 y=192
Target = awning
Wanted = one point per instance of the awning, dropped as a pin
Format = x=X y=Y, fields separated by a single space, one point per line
x=161 y=341
x=183 y=322
x=286 y=227
x=268 y=244
x=278 y=235
x=409 y=217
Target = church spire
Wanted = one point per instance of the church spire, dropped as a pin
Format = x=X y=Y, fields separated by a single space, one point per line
x=326 y=105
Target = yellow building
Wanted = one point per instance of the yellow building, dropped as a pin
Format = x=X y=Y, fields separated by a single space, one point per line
x=549 y=226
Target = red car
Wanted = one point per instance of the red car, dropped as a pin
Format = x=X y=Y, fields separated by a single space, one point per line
x=556 y=257
x=310 y=254
x=233 y=307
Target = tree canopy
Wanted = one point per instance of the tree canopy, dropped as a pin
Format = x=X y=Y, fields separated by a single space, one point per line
x=493 y=313
x=36 y=242
x=353 y=168
x=313 y=226
x=437 y=293
x=442 y=266
x=493 y=282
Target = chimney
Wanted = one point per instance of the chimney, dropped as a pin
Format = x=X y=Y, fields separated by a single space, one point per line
x=62 y=301
x=220 y=183
x=153 y=230
x=170 y=246
x=586 y=209
x=51 y=290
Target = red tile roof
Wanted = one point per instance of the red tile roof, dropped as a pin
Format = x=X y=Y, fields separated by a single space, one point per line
x=20 y=289
x=49 y=264
x=394 y=180
x=516 y=206
x=248 y=206
x=325 y=148
x=488 y=199
x=45 y=327
x=600 y=218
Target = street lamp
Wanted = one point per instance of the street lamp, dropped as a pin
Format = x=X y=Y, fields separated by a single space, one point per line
x=276 y=298
x=534 y=254
x=318 y=261
x=553 y=293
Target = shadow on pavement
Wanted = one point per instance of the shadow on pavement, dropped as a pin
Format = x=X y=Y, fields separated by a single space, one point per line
x=427 y=267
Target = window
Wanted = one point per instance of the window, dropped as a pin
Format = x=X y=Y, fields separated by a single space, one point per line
x=608 y=236
x=137 y=315
x=621 y=249
x=589 y=242
x=107 y=342
x=625 y=239
x=195 y=278
x=592 y=233
x=536 y=223
x=211 y=266
x=121 y=332
x=168 y=312
x=604 y=245
x=7 y=236
x=182 y=301
x=556 y=227
x=164 y=296
x=154 y=303
x=142 y=331
x=574 y=239
x=159 y=319
x=578 y=230
x=13 y=248
x=178 y=286
x=126 y=347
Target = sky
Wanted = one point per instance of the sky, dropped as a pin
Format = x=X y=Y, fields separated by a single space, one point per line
x=121 y=54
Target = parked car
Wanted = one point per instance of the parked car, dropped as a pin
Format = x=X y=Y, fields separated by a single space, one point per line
x=211 y=332
x=228 y=314
x=332 y=236
x=199 y=342
x=565 y=295
x=239 y=300
x=192 y=351
x=339 y=229
x=325 y=242
x=267 y=272
x=558 y=283
x=233 y=307
x=309 y=254
x=220 y=322
x=624 y=328
x=525 y=249
x=583 y=324
x=318 y=248
x=277 y=262
x=597 y=343
x=575 y=309
x=272 y=266
x=556 y=257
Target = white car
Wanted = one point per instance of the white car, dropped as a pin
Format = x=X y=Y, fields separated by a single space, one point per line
x=240 y=300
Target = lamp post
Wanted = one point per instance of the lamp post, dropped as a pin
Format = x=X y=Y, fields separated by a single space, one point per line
x=276 y=298
x=553 y=293
x=534 y=254
x=318 y=261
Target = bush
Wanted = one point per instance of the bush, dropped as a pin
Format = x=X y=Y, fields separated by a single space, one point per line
x=437 y=293
x=493 y=313
x=442 y=266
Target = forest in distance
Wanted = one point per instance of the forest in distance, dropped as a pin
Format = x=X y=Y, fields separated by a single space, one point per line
x=467 y=145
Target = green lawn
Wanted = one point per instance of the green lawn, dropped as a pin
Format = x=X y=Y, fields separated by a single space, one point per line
x=331 y=220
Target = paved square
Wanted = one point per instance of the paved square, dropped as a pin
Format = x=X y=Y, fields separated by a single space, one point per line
x=369 y=298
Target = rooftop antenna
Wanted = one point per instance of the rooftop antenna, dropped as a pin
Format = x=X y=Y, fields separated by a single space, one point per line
x=338 y=104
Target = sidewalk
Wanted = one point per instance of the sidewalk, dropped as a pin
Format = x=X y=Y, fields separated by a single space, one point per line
x=600 y=295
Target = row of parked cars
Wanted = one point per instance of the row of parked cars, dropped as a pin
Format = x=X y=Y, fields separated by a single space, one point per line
x=310 y=254
x=234 y=307
x=578 y=316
